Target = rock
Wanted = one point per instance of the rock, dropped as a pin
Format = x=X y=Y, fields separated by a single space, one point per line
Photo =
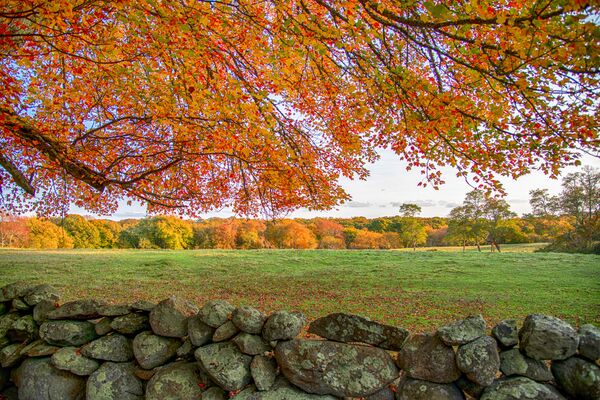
x=186 y=349
x=225 y=331
x=12 y=354
x=177 y=381
x=506 y=333
x=110 y=310
x=151 y=351
x=144 y=374
x=103 y=327
x=578 y=377
x=469 y=387
x=7 y=321
x=282 y=390
x=40 y=380
x=479 y=360
x=216 y=312
x=249 y=319
x=67 y=333
x=427 y=358
x=226 y=365
x=15 y=290
x=339 y=369
x=463 y=331
x=114 y=381
x=198 y=332
x=251 y=344
x=283 y=325
x=264 y=372
x=114 y=347
x=384 y=394
x=143 y=305
x=20 y=305
x=78 y=309
x=42 y=309
x=70 y=359
x=41 y=292
x=589 y=342
x=353 y=328
x=512 y=362
x=39 y=348
x=520 y=388
x=414 y=389
x=547 y=338
x=22 y=329
x=213 y=393
x=169 y=317
x=130 y=324
x=248 y=393
x=4 y=308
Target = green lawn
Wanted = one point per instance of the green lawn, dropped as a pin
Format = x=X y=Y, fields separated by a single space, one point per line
x=417 y=290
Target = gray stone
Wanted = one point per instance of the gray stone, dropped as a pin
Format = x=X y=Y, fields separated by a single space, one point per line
x=339 y=369
x=216 y=312
x=70 y=359
x=186 y=349
x=15 y=290
x=227 y=366
x=414 y=389
x=145 y=374
x=225 y=331
x=264 y=372
x=479 y=360
x=41 y=292
x=40 y=380
x=114 y=381
x=282 y=390
x=384 y=394
x=169 y=317
x=12 y=354
x=198 y=332
x=354 y=328
x=130 y=324
x=23 y=329
x=20 y=305
x=114 y=310
x=177 y=381
x=67 y=333
x=520 y=388
x=589 y=342
x=103 y=327
x=39 y=348
x=213 y=393
x=114 y=347
x=251 y=344
x=547 y=338
x=151 y=350
x=506 y=333
x=463 y=331
x=469 y=387
x=42 y=309
x=513 y=362
x=578 y=378
x=283 y=325
x=78 y=309
x=427 y=358
x=249 y=319
x=7 y=321
x=143 y=305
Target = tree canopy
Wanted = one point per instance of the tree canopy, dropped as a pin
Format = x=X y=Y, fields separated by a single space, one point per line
x=195 y=105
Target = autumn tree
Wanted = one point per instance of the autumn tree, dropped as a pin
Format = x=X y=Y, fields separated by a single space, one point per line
x=13 y=231
x=289 y=234
x=189 y=106
x=84 y=233
x=43 y=234
x=496 y=213
x=329 y=233
x=409 y=210
x=365 y=239
x=250 y=234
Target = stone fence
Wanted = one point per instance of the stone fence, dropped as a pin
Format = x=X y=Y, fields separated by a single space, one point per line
x=87 y=349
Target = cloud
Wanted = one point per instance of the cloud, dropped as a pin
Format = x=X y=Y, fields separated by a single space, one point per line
x=420 y=203
x=359 y=204
x=449 y=204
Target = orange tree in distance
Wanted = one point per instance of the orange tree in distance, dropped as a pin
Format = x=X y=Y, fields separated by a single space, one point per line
x=194 y=105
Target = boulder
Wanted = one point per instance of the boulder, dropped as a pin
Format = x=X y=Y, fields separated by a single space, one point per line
x=39 y=348
x=78 y=309
x=114 y=381
x=38 y=379
x=520 y=388
x=20 y=305
x=547 y=338
x=251 y=344
x=226 y=365
x=114 y=347
x=169 y=317
x=216 y=312
x=7 y=321
x=12 y=354
x=142 y=305
x=23 y=329
x=469 y=387
x=249 y=319
x=463 y=331
x=414 y=389
x=198 y=332
x=130 y=324
x=15 y=290
x=151 y=350
x=213 y=393
x=4 y=308
x=339 y=369
x=427 y=358
x=114 y=310
x=578 y=378
x=177 y=381
x=283 y=325
x=41 y=292
x=67 y=333
x=102 y=326
x=186 y=349
x=281 y=390
x=513 y=362
x=70 y=359
x=264 y=372
x=225 y=332
x=42 y=309
x=506 y=333
x=354 y=328
x=479 y=360
x=589 y=342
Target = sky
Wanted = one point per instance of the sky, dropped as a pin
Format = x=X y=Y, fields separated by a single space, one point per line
x=390 y=185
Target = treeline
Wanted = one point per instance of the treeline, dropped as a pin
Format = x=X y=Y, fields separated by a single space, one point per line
x=168 y=232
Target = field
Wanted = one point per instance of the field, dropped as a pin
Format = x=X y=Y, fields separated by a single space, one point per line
x=417 y=290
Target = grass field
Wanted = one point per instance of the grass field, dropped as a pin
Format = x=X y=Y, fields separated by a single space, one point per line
x=417 y=290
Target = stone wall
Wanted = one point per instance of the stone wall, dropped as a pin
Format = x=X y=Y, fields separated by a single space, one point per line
x=175 y=350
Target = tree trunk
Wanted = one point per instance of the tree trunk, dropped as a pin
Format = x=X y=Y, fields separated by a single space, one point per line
x=497 y=246
x=478 y=247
